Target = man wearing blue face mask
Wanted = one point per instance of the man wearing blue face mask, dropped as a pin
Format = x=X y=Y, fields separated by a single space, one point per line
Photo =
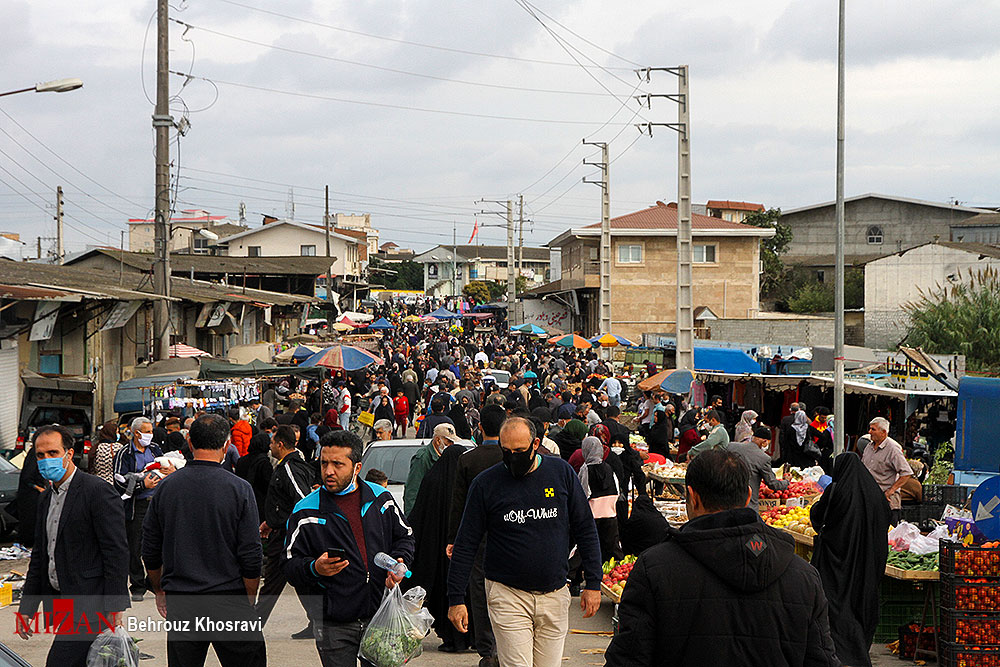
x=132 y=458
x=80 y=545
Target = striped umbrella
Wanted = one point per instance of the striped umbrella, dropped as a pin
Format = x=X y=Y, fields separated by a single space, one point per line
x=182 y=350
x=611 y=340
x=570 y=340
x=348 y=357
x=527 y=328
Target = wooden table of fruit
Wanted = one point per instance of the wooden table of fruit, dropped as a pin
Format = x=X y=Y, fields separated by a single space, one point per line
x=615 y=575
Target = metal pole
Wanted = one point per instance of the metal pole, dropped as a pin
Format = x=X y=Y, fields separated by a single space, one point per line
x=839 y=423
x=511 y=297
x=121 y=260
x=329 y=268
x=454 y=261
x=685 y=300
x=162 y=122
x=605 y=296
x=60 y=249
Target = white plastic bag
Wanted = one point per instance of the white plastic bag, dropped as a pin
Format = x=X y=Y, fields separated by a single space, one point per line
x=928 y=544
x=113 y=649
x=903 y=535
x=394 y=634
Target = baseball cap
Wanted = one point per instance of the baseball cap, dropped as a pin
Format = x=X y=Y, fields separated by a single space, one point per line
x=762 y=432
x=446 y=431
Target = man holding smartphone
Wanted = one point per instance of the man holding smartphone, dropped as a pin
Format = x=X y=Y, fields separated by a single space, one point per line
x=333 y=536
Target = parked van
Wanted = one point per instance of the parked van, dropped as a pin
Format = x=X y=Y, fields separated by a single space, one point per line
x=67 y=400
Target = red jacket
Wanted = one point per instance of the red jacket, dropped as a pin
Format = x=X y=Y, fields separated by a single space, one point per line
x=401 y=407
x=241 y=434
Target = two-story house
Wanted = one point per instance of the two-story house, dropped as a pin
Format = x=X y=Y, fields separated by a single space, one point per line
x=726 y=276
x=478 y=262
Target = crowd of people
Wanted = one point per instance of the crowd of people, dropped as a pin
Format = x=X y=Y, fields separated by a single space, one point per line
x=527 y=481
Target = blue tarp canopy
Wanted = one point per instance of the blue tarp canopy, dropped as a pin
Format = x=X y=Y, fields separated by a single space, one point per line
x=443 y=313
x=381 y=323
x=724 y=360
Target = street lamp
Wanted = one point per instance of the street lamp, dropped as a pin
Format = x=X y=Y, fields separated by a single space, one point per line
x=57 y=86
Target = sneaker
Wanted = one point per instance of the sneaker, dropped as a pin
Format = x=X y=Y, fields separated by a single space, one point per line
x=305 y=633
x=489 y=661
x=137 y=597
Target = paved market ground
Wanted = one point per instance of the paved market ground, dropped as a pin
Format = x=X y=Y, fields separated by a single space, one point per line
x=288 y=617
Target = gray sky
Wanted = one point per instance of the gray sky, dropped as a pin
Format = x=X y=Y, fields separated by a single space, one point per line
x=921 y=108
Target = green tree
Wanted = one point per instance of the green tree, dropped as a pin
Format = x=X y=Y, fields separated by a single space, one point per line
x=477 y=291
x=408 y=275
x=812 y=297
x=960 y=319
x=771 y=250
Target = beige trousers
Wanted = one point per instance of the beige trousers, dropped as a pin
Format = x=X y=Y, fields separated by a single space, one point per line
x=530 y=628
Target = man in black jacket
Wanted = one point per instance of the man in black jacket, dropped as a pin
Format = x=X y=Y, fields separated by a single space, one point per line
x=334 y=534
x=726 y=589
x=470 y=464
x=291 y=481
x=78 y=554
x=201 y=545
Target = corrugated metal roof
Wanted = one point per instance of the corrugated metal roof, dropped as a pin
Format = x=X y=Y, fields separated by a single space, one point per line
x=733 y=205
x=25 y=293
x=295 y=265
x=95 y=284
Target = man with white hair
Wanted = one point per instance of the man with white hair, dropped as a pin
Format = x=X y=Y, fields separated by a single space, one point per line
x=383 y=429
x=134 y=457
x=886 y=462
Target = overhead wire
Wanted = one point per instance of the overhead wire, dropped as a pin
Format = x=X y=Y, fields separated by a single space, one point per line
x=579 y=36
x=402 y=41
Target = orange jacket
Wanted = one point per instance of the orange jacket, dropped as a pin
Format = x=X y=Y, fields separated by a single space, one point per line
x=241 y=434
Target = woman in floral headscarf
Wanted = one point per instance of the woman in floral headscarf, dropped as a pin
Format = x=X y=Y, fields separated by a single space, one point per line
x=744 y=429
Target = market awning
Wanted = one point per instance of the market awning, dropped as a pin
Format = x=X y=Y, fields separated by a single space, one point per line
x=724 y=360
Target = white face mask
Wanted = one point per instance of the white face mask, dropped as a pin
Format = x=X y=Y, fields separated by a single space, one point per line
x=145 y=439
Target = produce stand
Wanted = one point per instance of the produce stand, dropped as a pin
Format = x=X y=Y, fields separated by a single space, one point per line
x=606 y=590
x=675 y=485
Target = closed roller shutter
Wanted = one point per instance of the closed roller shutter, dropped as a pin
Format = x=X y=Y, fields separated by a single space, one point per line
x=10 y=403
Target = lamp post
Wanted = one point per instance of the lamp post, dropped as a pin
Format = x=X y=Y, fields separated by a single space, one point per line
x=57 y=86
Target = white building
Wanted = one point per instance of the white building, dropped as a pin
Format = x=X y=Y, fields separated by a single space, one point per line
x=478 y=262
x=895 y=280
x=283 y=238
x=184 y=236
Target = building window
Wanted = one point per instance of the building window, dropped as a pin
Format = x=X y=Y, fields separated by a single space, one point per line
x=254 y=251
x=703 y=254
x=200 y=245
x=307 y=250
x=875 y=235
x=629 y=254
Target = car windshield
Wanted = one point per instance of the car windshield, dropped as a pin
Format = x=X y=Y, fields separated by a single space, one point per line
x=393 y=461
x=7 y=466
x=500 y=376
x=74 y=419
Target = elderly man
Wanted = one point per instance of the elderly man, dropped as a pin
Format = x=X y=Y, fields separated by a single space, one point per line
x=886 y=462
x=424 y=460
x=132 y=458
x=383 y=429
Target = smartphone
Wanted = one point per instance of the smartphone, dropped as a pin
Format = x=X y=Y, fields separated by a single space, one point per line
x=336 y=554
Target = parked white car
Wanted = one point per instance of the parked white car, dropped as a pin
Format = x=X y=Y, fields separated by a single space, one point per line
x=393 y=458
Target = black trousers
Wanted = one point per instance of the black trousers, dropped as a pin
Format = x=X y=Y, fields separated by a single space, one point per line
x=274 y=576
x=188 y=647
x=69 y=651
x=133 y=529
x=338 y=643
x=486 y=644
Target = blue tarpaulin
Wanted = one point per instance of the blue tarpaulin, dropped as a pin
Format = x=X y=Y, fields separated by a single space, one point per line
x=724 y=360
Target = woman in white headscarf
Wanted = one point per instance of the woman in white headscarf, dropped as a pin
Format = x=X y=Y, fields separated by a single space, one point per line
x=602 y=490
x=744 y=429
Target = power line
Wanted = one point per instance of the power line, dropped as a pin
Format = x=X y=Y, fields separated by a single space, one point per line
x=386 y=69
x=403 y=41
x=579 y=36
x=384 y=105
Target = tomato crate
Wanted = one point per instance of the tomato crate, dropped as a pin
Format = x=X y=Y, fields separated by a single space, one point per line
x=894 y=615
x=970 y=593
x=971 y=628
x=909 y=635
x=947 y=494
x=968 y=561
x=955 y=655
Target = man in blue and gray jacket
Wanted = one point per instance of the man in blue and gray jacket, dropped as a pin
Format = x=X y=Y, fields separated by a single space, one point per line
x=333 y=535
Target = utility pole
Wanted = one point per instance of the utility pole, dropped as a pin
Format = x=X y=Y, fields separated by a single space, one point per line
x=838 y=298
x=454 y=261
x=604 y=296
x=162 y=122
x=60 y=247
x=511 y=294
x=685 y=298
x=329 y=267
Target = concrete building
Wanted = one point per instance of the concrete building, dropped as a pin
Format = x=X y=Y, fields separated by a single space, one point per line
x=359 y=223
x=982 y=228
x=875 y=225
x=731 y=211
x=898 y=279
x=284 y=238
x=184 y=236
x=477 y=262
x=644 y=270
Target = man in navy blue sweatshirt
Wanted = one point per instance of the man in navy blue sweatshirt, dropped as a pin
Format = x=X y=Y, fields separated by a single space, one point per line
x=526 y=505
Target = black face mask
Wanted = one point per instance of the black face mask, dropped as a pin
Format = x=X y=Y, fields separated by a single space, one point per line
x=518 y=463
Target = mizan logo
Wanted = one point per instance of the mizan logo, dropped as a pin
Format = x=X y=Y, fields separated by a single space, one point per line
x=62 y=621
